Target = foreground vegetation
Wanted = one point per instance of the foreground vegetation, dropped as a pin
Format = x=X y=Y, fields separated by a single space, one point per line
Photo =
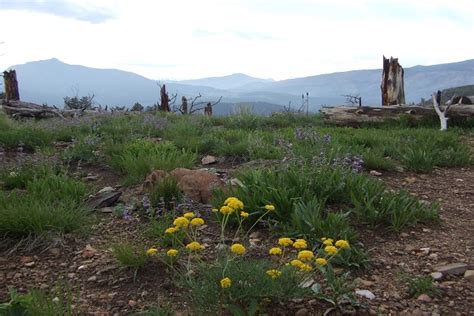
x=309 y=182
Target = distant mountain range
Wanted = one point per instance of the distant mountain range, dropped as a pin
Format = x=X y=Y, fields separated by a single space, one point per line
x=49 y=81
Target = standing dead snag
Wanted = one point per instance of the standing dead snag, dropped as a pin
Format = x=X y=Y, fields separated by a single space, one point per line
x=442 y=114
x=165 y=100
x=184 y=105
x=11 y=86
x=393 y=91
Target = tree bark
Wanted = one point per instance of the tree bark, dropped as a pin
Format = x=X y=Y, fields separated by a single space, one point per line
x=393 y=91
x=11 y=86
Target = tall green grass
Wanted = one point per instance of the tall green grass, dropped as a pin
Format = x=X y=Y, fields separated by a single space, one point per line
x=137 y=158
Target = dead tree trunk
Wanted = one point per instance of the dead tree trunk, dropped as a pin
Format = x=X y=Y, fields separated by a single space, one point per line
x=208 y=109
x=11 y=86
x=165 y=100
x=184 y=105
x=393 y=91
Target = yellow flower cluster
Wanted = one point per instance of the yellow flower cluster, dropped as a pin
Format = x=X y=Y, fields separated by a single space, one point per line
x=197 y=221
x=225 y=283
x=189 y=215
x=276 y=251
x=181 y=222
x=233 y=203
x=244 y=214
x=172 y=253
x=270 y=207
x=151 y=251
x=194 y=246
x=274 y=273
x=305 y=259
x=238 y=249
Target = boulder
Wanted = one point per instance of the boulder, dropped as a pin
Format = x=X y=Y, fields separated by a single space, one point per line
x=452 y=268
x=196 y=184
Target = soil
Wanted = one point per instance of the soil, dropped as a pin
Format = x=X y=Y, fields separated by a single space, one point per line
x=87 y=265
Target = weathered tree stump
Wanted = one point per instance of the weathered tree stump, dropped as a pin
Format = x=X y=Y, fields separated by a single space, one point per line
x=393 y=91
x=11 y=86
x=165 y=100
x=184 y=105
x=208 y=109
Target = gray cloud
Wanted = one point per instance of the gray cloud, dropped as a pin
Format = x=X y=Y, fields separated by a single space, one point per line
x=59 y=8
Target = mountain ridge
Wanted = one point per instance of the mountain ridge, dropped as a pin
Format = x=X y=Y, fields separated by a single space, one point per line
x=49 y=81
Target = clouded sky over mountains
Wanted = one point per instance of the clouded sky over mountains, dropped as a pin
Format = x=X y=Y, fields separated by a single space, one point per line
x=184 y=39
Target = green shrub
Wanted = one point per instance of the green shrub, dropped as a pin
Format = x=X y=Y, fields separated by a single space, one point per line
x=250 y=284
x=422 y=285
x=85 y=150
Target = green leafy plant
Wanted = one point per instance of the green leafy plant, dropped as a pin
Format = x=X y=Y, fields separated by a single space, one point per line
x=421 y=285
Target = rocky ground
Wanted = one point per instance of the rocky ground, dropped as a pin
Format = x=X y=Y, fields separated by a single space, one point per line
x=86 y=264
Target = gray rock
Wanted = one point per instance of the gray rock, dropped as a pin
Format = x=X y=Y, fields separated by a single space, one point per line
x=92 y=279
x=375 y=173
x=469 y=274
x=366 y=294
x=424 y=298
x=302 y=312
x=452 y=268
x=207 y=160
x=436 y=275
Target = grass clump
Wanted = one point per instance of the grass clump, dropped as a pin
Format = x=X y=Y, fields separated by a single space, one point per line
x=422 y=285
x=50 y=203
x=130 y=257
x=166 y=192
x=38 y=303
x=137 y=158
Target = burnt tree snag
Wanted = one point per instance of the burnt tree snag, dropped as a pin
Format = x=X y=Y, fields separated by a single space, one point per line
x=165 y=100
x=184 y=105
x=11 y=86
x=208 y=109
x=393 y=91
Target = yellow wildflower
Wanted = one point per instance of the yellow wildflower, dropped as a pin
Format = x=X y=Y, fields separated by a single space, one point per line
x=300 y=244
x=305 y=268
x=181 y=222
x=171 y=230
x=297 y=263
x=197 y=221
x=285 y=242
x=234 y=203
x=276 y=251
x=328 y=242
x=226 y=210
x=189 y=215
x=244 y=214
x=214 y=210
x=194 y=246
x=321 y=261
x=225 y=283
x=305 y=255
x=172 y=253
x=151 y=251
x=269 y=207
x=238 y=249
x=330 y=250
x=273 y=273
x=344 y=244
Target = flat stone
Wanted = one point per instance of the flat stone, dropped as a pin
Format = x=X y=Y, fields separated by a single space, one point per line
x=366 y=294
x=106 y=190
x=452 y=268
x=207 y=160
x=424 y=298
x=436 y=275
x=469 y=275
x=92 y=279
x=302 y=312
x=375 y=173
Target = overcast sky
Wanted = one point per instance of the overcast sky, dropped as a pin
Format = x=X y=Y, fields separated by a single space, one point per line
x=184 y=39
